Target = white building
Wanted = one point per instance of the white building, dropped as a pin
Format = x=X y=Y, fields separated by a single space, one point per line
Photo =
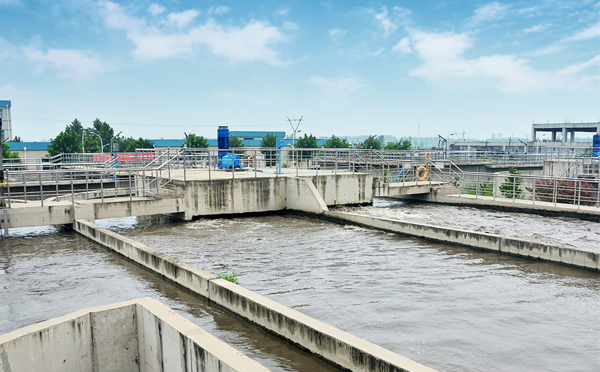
x=6 y=120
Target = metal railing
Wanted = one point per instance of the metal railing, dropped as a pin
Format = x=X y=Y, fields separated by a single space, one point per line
x=152 y=173
x=504 y=185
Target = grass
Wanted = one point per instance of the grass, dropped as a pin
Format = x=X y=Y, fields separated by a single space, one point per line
x=229 y=277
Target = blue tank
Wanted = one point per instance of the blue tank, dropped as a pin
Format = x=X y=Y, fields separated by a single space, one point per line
x=223 y=139
x=596 y=146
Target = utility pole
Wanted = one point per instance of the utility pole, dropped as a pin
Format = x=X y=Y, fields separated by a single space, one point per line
x=295 y=129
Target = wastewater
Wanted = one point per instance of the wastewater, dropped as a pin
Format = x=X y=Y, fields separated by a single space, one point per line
x=447 y=307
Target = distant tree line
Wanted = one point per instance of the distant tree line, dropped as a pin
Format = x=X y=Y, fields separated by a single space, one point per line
x=99 y=137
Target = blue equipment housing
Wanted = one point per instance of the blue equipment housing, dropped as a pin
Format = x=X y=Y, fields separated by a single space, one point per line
x=223 y=139
x=596 y=146
x=227 y=160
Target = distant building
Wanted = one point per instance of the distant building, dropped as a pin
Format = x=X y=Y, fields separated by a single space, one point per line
x=6 y=120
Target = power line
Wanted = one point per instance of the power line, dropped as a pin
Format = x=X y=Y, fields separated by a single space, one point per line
x=152 y=124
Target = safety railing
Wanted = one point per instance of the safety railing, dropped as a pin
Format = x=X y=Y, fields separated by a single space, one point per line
x=504 y=185
x=153 y=173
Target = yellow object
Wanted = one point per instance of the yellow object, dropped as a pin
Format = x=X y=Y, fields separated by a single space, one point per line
x=251 y=161
x=427 y=156
x=422 y=173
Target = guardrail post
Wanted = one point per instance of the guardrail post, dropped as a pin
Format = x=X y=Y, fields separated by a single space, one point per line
x=41 y=189
x=533 y=188
x=24 y=188
x=477 y=187
x=336 y=161
x=130 y=193
x=184 y=164
x=72 y=190
x=102 y=185
x=87 y=182
x=578 y=194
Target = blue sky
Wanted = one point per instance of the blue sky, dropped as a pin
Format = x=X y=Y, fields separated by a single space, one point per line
x=156 y=69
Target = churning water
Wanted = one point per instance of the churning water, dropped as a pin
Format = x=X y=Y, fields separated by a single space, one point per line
x=451 y=308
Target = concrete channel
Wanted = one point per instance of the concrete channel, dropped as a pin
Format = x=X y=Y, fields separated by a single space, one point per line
x=329 y=343
x=132 y=336
x=513 y=246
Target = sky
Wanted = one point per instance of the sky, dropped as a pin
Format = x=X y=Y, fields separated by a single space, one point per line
x=157 y=69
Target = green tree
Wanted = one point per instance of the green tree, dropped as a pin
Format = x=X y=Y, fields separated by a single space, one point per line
x=67 y=141
x=17 y=139
x=510 y=187
x=7 y=154
x=401 y=144
x=196 y=142
x=267 y=143
x=306 y=142
x=371 y=143
x=130 y=144
x=336 y=143
x=235 y=142
x=103 y=130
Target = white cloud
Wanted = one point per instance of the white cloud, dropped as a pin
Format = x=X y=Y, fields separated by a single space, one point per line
x=251 y=42
x=336 y=34
x=376 y=53
x=71 y=63
x=156 y=9
x=220 y=10
x=536 y=28
x=403 y=46
x=589 y=33
x=337 y=89
x=283 y=11
x=443 y=58
x=385 y=22
x=184 y=18
x=291 y=26
x=488 y=12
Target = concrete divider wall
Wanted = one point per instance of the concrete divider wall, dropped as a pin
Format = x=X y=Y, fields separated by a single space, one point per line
x=232 y=196
x=179 y=272
x=519 y=247
x=302 y=195
x=330 y=343
x=141 y=335
x=344 y=188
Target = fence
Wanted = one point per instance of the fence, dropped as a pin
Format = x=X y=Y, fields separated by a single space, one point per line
x=149 y=172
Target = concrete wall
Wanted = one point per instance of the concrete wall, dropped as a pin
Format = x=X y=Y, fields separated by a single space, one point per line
x=140 y=335
x=302 y=195
x=209 y=198
x=569 y=256
x=330 y=343
x=242 y=195
x=344 y=188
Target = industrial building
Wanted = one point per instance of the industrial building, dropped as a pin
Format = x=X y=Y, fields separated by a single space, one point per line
x=6 y=120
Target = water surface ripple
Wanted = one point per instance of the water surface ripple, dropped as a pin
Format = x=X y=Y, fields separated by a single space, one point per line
x=451 y=308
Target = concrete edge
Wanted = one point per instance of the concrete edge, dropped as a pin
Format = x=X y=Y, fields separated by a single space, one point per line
x=36 y=327
x=513 y=246
x=225 y=354
x=229 y=356
x=340 y=348
x=343 y=349
x=302 y=195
